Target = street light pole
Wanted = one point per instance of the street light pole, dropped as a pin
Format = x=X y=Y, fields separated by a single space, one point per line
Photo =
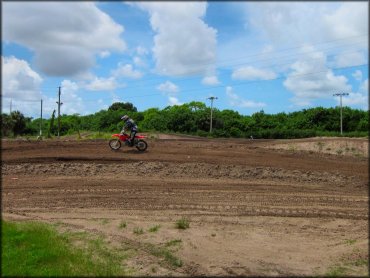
x=41 y=121
x=59 y=104
x=212 y=99
x=341 y=112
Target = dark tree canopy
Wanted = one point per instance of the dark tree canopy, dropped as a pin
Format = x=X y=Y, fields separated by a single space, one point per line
x=128 y=106
x=14 y=124
x=194 y=118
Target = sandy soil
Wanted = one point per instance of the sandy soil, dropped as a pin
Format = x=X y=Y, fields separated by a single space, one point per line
x=340 y=146
x=256 y=207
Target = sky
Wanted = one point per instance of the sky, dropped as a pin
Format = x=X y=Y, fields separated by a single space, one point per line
x=253 y=56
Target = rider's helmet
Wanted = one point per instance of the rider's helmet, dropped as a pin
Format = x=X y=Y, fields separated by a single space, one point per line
x=124 y=118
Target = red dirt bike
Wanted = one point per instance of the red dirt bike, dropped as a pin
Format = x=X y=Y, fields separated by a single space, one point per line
x=116 y=143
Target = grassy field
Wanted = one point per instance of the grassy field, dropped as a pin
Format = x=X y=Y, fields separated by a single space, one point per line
x=36 y=249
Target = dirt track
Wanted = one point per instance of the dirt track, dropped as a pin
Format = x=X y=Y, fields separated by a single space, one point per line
x=254 y=209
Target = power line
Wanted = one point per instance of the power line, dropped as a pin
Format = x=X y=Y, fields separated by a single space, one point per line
x=282 y=50
x=245 y=82
x=275 y=65
x=227 y=64
x=151 y=81
x=290 y=56
x=221 y=86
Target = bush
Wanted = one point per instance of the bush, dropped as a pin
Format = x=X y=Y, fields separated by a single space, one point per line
x=182 y=223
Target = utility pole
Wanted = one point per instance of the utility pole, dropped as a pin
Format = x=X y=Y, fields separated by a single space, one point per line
x=341 y=117
x=212 y=99
x=10 y=106
x=41 y=121
x=59 y=104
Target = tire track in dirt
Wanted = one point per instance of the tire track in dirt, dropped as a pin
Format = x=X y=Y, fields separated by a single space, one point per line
x=328 y=200
x=200 y=170
x=232 y=188
x=242 y=202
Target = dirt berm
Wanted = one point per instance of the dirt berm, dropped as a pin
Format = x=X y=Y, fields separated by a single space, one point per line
x=255 y=207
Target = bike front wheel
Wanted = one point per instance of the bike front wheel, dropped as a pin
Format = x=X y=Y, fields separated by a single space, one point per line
x=114 y=144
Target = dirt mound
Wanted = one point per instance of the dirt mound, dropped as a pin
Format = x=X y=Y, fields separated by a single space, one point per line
x=180 y=170
x=358 y=147
x=257 y=210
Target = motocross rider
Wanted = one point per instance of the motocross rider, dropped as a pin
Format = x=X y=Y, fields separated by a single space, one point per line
x=129 y=124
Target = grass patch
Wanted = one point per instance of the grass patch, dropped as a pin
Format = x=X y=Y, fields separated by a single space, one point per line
x=292 y=148
x=337 y=271
x=174 y=242
x=165 y=253
x=138 y=231
x=154 y=228
x=320 y=145
x=37 y=249
x=350 y=241
x=351 y=264
x=100 y=135
x=153 y=269
x=104 y=221
x=122 y=225
x=361 y=262
x=182 y=223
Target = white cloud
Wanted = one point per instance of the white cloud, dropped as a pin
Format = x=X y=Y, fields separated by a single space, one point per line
x=348 y=20
x=275 y=30
x=311 y=79
x=170 y=90
x=168 y=87
x=281 y=22
x=141 y=51
x=19 y=81
x=20 y=87
x=65 y=37
x=303 y=22
x=104 y=54
x=126 y=71
x=237 y=101
x=72 y=103
x=184 y=44
x=356 y=99
x=138 y=61
x=360 y=98
x=210 y=81
x=173 y=101
x=252 y=73
x=364 y=89
x=357 y=75
x=102 y=84
x=350 y=59
x=267 y=49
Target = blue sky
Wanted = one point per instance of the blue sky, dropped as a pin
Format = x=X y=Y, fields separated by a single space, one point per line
x=271 y=56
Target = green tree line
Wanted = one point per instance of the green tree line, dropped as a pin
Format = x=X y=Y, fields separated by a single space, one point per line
x=194 y=118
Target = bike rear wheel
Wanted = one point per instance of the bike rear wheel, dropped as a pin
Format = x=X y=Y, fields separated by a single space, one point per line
x=141 y=145
x=114 y=144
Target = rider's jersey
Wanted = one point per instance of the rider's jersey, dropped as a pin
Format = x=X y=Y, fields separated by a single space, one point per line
x=130 y=124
